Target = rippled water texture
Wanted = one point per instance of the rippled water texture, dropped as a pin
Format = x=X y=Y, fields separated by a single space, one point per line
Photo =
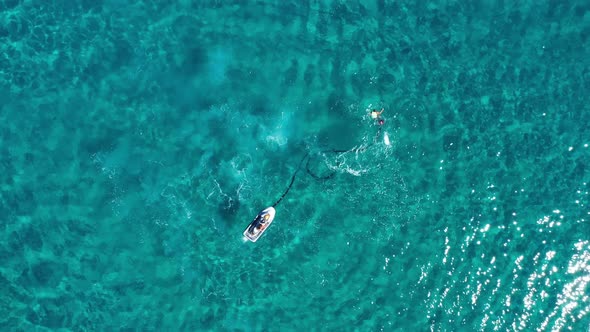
x=139 y=139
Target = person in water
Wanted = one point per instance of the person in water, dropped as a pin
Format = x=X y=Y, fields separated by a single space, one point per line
x=377 y=116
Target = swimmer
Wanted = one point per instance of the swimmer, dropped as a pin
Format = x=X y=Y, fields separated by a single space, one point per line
x=376 y=114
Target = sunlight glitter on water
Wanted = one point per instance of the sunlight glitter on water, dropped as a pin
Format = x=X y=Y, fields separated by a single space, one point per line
x=573 y=294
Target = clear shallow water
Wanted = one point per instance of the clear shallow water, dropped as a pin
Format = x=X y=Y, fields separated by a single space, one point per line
x=139 y=140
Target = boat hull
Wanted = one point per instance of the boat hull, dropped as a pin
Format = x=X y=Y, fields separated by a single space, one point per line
x=259 y=225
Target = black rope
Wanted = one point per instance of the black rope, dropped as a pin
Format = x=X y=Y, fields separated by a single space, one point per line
x=315 y=176
x=292 y=180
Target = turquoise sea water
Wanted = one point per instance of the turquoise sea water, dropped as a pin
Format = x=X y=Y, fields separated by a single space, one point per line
x=139 y=139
